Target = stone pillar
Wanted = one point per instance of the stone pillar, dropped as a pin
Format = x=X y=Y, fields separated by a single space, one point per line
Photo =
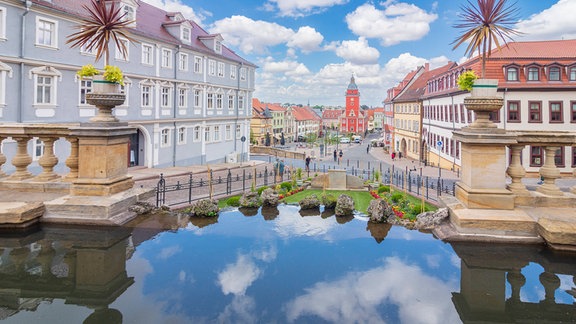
x=483 y=181
x=517 y=281
x=102 y=160
x=550 y=173
x=2 y=158
x=516 y=172
x=21 y=160
x=551 y=282
x=72 y=160
x=48 y=160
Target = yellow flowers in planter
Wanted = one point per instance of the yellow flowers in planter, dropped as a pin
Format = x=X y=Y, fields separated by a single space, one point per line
x=111 y=73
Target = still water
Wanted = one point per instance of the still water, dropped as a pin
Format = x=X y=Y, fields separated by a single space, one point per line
x=275 y=266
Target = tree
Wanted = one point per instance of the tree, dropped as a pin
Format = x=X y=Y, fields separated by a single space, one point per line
x=105 y=22
x=491 y=21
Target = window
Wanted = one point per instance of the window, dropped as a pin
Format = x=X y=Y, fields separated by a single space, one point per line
x=197 y=64
x=5 y=70
x=554 y=74
x=514 y=111
x=556 y=112
x=231 y=102
x=216 y=133
x=147 y=54
x=536 y=154
x=210 y=104
x=572 y=74
x=165 y=138
x=228 y=132
x=38 y=148
x=183 y=62
x=219 y=100
x=240 y=102
x=2 y=23
x=535 y=112
x=122 y=52
x=533 y=74
x=166 y=58
x=196 y=134
x=512 y=74
x=573 y=156
x=495 y=116
x=211 y=67
x=197 y=97
x=559 y=157
x=182 y=97
x=165 y=97
x=207 y=134
x=182 y=135
x=129 y=13
x=45 y=90
x=85 y=88
x=186 y=34
x=218 y=47
x=573 y=111
x=221 y=68
x=46 y=32
x=233 y=70
x=243 y=74
x=146 y=98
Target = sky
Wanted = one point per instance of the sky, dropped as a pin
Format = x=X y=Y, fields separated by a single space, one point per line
x=307 y=50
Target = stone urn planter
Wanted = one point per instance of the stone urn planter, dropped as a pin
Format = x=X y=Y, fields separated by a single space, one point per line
x=483 y=101
x=105 y=96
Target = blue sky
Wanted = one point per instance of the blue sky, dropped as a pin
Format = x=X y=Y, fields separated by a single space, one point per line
x=307 y=50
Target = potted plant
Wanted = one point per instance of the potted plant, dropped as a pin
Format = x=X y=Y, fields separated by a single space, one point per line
x=490 y=22
x=105 y=22
x=466 y=80
x=299 y=176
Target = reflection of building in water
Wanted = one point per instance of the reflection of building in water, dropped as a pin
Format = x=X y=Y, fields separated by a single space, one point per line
x=82 y=266
x=487 y=269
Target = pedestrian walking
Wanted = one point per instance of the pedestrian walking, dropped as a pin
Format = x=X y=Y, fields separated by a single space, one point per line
x=368 y=149
x=340 y=156
x=335 y=155
x=307 y=164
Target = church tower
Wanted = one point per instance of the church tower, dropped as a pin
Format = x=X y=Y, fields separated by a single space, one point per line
x=353 y=120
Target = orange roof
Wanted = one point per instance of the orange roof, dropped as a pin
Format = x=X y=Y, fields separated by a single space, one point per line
x=304 y=113
x=332 y=113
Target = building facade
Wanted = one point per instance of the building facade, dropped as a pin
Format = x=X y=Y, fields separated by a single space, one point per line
x=187 y=94
x=354 y=119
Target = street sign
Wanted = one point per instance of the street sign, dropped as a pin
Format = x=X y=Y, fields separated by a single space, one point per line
x=243 y=138
x=439 y=143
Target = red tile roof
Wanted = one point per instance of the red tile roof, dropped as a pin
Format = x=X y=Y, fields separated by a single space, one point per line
x=332 y=113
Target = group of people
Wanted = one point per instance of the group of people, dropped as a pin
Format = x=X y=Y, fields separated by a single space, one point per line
x=338 y=155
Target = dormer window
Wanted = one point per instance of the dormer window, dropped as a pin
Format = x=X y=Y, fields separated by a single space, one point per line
x=512 y=73
x=218 y=47
x=186 y=32
x=533 y=73
x=572 y=73
x=554 y=73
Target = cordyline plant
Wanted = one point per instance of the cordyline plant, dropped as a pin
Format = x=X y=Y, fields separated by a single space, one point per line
x=490 y=22
x=105 y=22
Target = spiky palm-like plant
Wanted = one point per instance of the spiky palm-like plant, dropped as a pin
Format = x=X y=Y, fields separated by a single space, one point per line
x=490 y=22
x=105 y=22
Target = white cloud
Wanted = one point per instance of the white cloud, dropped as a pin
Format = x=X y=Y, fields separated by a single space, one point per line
x=552 y=23
x=168 y=252
x=236 y=278
x=398 y=22
x=177 y=6
x=398 y=67
x=299 y=8
x=358 y=52
x=356 y=297
x=287 y=67
x=307 y=39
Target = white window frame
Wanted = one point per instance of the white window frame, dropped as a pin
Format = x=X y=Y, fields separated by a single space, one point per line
x=219 y=101
x=210 y=100
x=166 y=58
x=183 y=62
x=197 y=64
x=197 y=98
x=130 y=13
x=238 y=129
x=53 y=44
x=233 y=72
x=197 y=134
x=118 y=53
x=182 y=135
x=85 y=87
x=241 y=102
x=207 y=134
x=211 y=67
x=243 y=74
x=165 y=134
x=182 y=97
x=149 y=95
x=147 y=59
x=186 y=34
x=231 y=102
x=165 y=96
x=221 y=69
x=37 y=148
x=5 y=71
x=218 y=46
x=216 y=136
x=3 y=23
x=228 y=132
x=52 y=74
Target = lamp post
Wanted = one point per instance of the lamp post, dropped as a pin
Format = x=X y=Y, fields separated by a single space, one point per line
x=439 y=144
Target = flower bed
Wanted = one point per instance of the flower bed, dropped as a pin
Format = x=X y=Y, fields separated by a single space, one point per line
x=404 y=206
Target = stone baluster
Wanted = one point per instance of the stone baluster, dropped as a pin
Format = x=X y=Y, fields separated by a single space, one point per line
x=2 y=158
x=72 y=160
x=48 y=161
x=550 y=173
x=516 y=172
x=21 y=160
x=551 y=282
x=517 y=281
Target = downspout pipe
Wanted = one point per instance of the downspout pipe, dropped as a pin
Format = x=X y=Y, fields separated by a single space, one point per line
x=27 y=4
x=175 y=103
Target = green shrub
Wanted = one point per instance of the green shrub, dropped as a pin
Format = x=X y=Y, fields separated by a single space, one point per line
x=233 y=201
x=261 y=189
x=286 y=186
x=382 y=189
x=397 y=197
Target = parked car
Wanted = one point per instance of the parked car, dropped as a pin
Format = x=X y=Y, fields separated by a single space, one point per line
x=301 y=138
x=345 y=140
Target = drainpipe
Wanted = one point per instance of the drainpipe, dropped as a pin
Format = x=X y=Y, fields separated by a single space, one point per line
x=237 y=110
x=453 y=129
x=175 y=104
x=28 y=4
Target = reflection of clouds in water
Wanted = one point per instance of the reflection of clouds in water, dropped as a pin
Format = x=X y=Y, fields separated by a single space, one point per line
x=237 y=277
x=433 y=261
x=185 y=278
x=166 y=253
x=290 y=224
x=355 y=298
x=455 y=260
x=242 y=309
x=266 y=255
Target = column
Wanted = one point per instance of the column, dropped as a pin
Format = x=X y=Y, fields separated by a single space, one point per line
x=550 y=173
x=72 y=160
x=551 y=282
x=516 y=280
x=2 y=158
x=21 y=160
x=48 y=160
x=516 y=172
